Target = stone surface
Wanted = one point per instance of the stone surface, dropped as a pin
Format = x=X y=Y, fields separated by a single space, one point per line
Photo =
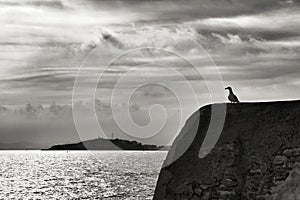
x=256 y=157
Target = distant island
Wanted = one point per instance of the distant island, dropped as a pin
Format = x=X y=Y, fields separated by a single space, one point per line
x=107 y=144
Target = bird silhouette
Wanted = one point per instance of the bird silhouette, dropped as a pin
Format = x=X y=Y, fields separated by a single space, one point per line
x=231 y=97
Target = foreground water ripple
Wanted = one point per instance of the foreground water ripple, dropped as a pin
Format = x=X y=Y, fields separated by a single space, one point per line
x=79 y=175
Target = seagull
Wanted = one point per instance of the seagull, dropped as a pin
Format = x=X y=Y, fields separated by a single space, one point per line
x=232 y=98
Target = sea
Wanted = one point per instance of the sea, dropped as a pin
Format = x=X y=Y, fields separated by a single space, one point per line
x=79 y=174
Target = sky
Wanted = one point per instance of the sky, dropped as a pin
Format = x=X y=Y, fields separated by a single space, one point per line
x=254 y=45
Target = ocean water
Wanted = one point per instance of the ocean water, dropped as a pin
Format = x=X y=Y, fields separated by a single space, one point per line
x=79 y=174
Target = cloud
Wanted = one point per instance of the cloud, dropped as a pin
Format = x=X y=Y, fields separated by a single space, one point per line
x=43 y=47
x=275 y=24
x=56 y=4
x=239 y=57
x=191 y=9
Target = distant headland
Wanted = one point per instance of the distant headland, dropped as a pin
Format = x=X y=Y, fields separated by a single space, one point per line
x=107 y=144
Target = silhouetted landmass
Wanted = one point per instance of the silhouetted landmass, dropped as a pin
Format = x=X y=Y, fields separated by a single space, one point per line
x=107 y=144
x=256 y=157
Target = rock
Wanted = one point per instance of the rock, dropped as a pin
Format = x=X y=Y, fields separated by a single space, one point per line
x=260 y=197
x=257 y=147
x=288 y=152
x=204 y=187
x=291 y=152
x=198 y=191
x=195 y=198
x=296 y=152
x=189 y=190
x=226 y=194
x=255 y=172
x=279 y=160
x=229 y=182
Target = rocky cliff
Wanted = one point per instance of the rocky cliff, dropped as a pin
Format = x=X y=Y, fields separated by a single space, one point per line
x=256 y=157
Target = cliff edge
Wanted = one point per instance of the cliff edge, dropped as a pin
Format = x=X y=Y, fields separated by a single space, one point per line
x=257 y=156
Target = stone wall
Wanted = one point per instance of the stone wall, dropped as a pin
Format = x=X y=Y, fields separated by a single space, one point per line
x=257 y=157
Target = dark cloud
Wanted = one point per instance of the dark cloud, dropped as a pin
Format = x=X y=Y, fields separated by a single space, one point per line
x=198 y=9
x=106 y=38
x=37 y=3
x=247 y=32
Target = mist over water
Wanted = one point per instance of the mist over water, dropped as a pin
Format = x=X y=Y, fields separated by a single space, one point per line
x=79 y=175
